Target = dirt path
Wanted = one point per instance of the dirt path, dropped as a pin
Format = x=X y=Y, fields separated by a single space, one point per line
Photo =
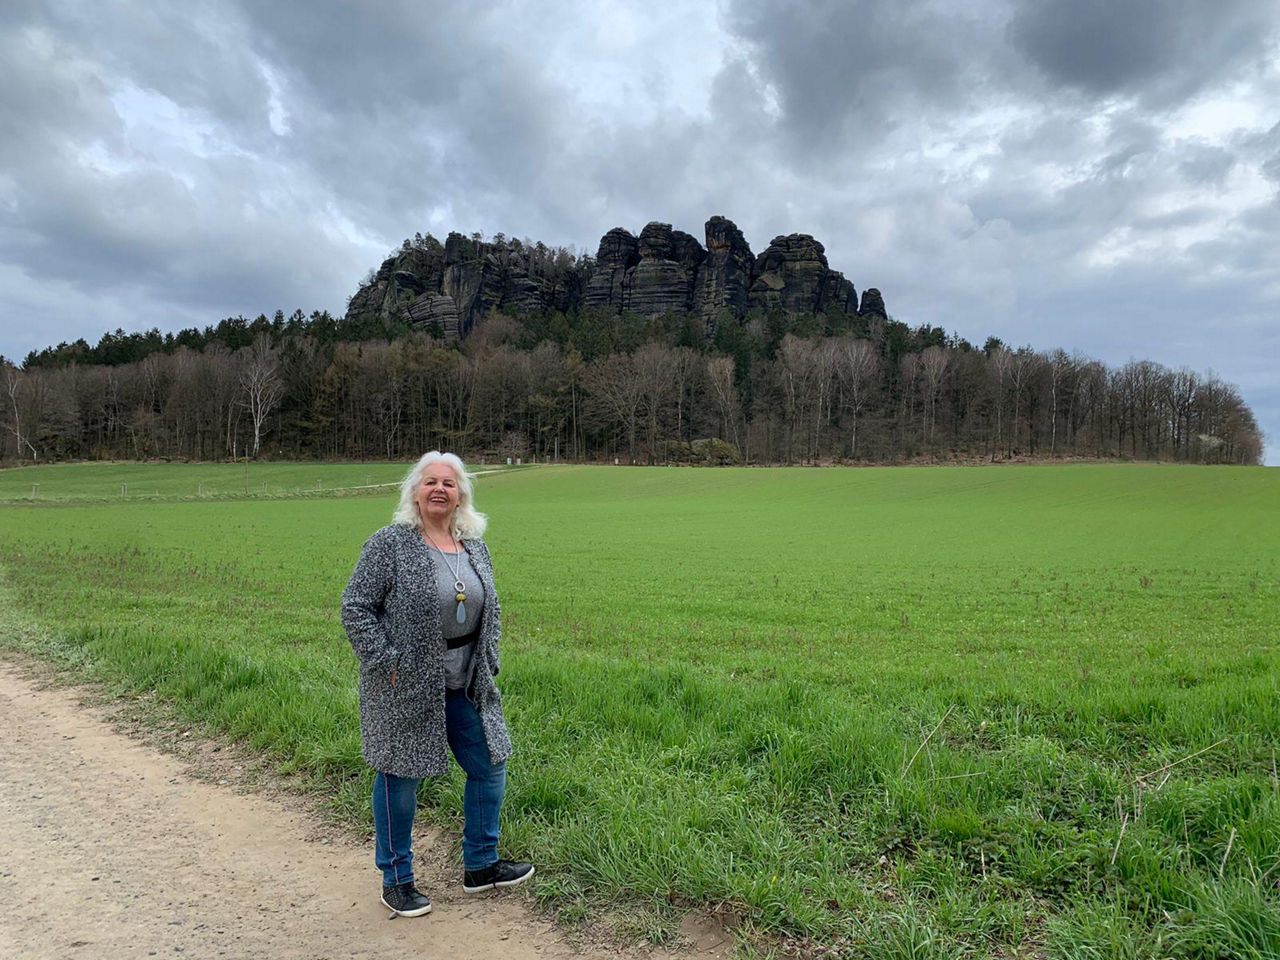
x=110 y=849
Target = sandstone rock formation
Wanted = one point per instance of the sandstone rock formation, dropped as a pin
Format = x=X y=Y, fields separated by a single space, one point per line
x=618 y=253
x=666 y=273
x=872 y=304
x=726 y=279
x=792 y=275
x=454 y=284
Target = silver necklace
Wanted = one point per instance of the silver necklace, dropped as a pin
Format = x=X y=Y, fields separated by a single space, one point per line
x=459 y=589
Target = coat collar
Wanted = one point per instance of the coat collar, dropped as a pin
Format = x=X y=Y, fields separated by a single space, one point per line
x=469 y=544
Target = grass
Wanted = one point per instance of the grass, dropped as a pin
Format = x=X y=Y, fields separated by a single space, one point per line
x=900 y=712
x=101 y=481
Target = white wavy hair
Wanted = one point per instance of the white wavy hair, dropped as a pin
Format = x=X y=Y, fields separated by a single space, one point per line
x=466 y=524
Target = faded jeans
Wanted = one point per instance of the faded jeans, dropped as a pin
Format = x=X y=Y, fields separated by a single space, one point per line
x=395 y=799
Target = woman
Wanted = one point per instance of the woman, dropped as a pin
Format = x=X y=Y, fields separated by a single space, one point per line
x=422 y=615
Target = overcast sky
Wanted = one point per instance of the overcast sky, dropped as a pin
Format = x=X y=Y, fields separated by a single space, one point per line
x=1097 y=175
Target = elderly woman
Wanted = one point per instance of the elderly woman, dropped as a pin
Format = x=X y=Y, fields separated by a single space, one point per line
x=422 y=615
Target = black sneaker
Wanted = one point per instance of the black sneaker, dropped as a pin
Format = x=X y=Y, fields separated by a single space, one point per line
x=504 y=873
x=405 y=900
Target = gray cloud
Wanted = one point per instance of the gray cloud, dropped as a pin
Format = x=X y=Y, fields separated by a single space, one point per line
x=1054 y=173
x=1204 y=164
x=845 y=74
x=1159 y=51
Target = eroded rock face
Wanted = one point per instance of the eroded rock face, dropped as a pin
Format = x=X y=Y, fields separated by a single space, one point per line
x=666 y=273
x=661 y=270
x=872 y=304
x=837 y=293
x=726 y=275
x=437 y=309
x=690 y=255
x=472 y=277
x=789 y=275
x=618 y=252
x=792 y=275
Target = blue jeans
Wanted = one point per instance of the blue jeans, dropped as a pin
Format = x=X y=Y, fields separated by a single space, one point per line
x=395 y=799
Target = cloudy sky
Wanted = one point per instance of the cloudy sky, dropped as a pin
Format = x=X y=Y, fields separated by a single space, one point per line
x=1097 y=175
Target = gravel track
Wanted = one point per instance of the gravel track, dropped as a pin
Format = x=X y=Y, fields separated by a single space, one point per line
x=110 y=849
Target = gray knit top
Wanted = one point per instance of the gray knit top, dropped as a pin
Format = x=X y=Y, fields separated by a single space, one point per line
x=457 y=662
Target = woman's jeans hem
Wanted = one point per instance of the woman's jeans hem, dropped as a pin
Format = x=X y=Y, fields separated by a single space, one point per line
x=395 y=800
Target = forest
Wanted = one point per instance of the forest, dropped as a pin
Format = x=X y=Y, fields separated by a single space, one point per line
x=594 y=386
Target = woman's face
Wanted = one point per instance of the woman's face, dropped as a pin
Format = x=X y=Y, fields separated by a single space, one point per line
x=437 y=495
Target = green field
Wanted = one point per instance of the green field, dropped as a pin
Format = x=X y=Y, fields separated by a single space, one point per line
x=903 y=712
x=147 y=481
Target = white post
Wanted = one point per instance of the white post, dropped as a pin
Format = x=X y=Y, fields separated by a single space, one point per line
x=124 y=490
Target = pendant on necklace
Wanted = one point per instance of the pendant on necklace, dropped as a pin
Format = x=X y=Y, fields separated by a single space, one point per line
x=461 y=596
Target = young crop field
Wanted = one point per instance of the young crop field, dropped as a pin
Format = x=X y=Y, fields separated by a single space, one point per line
x=925 y=713
x=149 y=481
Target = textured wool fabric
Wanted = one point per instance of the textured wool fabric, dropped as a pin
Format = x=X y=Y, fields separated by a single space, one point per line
x=392 y=616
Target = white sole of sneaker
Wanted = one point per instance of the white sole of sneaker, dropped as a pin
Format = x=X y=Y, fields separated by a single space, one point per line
x=407 y=913
x=518 y=880
x=505 y=883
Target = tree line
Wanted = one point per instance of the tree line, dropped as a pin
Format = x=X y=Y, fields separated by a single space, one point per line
x=595 y=386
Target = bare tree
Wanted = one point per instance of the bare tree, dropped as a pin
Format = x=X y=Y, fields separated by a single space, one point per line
x=685 y=367
x=724 y=395
x=614 y=386
x=934 y=363
x=547 y=395
x=858 y=370
x=13 y=383
x=388 y=367
x=1059 y=366
x=796 y=370
x=909 y=370
x=824 y=375
x=1020 y=369
x=262 y=386
x=1182 y=388
x=1001 y=362
x=654 y=366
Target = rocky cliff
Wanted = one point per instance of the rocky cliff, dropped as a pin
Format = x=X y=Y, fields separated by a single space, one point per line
x=454 y=284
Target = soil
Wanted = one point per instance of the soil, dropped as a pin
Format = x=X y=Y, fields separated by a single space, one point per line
x=111 y=848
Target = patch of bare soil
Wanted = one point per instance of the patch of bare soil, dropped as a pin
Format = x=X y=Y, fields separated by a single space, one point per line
x=110 y=848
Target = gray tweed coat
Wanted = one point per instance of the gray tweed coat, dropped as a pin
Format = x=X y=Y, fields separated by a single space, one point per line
x=392 y=615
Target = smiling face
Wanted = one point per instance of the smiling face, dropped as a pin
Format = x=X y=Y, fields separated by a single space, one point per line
x=437 y=494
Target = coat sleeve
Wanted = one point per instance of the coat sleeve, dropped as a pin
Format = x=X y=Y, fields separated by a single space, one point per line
x=363 y=600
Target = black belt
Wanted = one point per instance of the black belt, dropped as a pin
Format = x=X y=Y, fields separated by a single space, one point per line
x=453 y=643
